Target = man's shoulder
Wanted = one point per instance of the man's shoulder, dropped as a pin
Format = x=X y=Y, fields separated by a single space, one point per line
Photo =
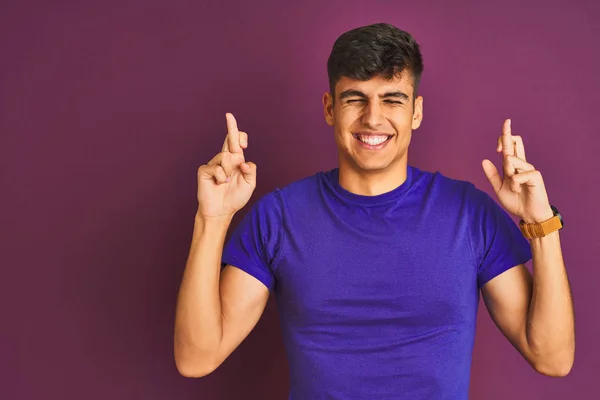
x=443 y=183
x=456 y=192
x=304 y=184
x=299 y=190
x=464 y=192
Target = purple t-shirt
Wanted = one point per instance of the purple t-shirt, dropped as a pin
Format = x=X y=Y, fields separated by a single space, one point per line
x=377 y=295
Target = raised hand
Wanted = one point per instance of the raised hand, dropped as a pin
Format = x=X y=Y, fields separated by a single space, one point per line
x=226 y=183
x=521 y=189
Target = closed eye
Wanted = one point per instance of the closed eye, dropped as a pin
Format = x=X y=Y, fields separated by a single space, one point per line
x=351 y=101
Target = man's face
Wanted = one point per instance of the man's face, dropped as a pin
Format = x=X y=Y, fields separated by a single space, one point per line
x=373 y=121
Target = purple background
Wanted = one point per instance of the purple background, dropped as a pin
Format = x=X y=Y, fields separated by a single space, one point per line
x=108 y=108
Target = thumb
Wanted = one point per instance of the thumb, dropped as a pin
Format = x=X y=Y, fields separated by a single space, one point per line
x=491 y=172
x=249 y=172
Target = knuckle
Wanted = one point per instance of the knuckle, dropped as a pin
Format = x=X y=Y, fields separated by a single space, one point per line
x=225 y=158
x=225 y=161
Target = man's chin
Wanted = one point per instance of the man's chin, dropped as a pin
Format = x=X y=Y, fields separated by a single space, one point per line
x=373 y=168
x=369 y=165
x=377 y=166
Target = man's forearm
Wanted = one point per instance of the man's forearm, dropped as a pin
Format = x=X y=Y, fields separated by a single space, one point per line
x=198 y=321
x=550 y=321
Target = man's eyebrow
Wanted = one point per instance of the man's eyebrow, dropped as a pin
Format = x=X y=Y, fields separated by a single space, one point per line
x=352 y=93
x=358 y=93
x=396 y=94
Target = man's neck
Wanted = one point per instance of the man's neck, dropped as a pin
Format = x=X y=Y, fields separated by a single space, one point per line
x=372 y=183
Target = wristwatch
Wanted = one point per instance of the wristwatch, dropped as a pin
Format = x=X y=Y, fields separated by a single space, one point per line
x=541 y=229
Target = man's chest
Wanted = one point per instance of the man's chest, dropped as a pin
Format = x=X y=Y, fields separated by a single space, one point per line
x=411 y=277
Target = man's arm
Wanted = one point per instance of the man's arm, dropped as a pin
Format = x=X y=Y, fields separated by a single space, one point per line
x=535 y=313
x=215 y=310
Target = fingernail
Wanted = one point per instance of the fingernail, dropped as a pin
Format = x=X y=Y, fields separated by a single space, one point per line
x=228 y=179
x=509 y=122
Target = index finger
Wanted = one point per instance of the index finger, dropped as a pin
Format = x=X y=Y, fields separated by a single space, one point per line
x=232 y=142
x=508 y=146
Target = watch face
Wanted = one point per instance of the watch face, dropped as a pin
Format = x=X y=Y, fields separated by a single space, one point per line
x=556 y=213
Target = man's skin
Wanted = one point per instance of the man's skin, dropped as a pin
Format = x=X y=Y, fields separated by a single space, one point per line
x=216 y=309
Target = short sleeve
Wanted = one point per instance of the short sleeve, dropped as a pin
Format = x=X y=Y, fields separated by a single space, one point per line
x=255 y=243
x=497 y=241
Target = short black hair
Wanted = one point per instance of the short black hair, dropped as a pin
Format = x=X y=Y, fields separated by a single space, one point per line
x=374 y=50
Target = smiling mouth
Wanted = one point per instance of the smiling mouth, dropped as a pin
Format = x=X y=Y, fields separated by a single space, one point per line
x=372 y=140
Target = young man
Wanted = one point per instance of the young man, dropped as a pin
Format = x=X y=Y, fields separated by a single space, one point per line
x=376 y=265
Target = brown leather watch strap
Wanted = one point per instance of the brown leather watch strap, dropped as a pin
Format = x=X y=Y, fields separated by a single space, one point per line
x=540 y=229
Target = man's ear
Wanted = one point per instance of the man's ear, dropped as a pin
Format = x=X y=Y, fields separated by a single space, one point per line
x=328 y=108
x=417 y=112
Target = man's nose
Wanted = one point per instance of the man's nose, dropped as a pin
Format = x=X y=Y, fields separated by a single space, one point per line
x=372 y=115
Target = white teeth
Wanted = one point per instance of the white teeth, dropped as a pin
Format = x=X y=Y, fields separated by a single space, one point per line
x=372 y=140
